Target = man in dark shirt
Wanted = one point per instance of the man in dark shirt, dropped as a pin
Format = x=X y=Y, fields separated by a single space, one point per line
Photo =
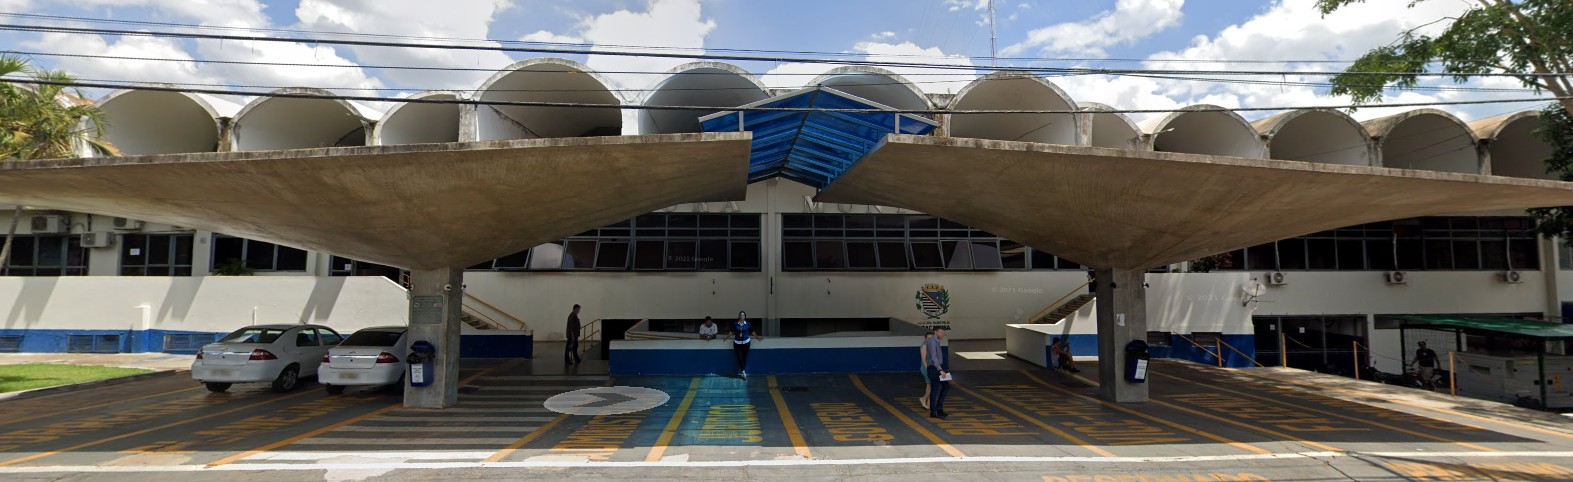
x=1426 y=359
x=571 y=355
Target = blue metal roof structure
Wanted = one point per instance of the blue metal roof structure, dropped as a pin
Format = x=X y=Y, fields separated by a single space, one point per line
x=813 y=148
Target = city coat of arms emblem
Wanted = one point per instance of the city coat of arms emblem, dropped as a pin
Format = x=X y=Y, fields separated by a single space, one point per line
x=933 y=300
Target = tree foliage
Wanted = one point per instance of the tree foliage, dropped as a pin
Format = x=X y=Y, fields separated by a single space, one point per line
x=1527 y=39
x=45 y=121
x=1524 y=37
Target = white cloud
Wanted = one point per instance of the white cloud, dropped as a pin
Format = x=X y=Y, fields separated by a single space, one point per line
x=665 y=23
x=930 y=80
x=1286 y=35
x=123 y=70
x=1131 y=20
x=548 y=37
x=957 y=5
x=229 y=13
x=16 y=6
x=882 y=35
x=452 y=19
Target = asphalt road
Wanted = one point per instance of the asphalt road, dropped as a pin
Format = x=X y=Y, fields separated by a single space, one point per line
x=1203 y=424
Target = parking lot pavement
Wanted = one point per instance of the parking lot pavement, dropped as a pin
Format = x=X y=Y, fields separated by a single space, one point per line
x=1202 y=424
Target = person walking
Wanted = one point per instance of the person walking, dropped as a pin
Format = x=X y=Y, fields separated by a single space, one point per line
x=742 y=336
x=939 y=384
x=571 y=352
x=1426 y=360
x=923 y=356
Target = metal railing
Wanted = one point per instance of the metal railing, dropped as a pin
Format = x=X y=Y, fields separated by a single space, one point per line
x=587 y=332
x=522 y=326
x=1217 y=350
x=1056 y=304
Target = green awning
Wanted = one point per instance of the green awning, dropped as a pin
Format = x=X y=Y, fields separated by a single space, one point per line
x=1500 y=324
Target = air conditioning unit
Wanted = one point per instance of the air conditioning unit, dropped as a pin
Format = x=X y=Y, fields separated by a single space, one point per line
x=98 y=240
x=127 y=224
x=1511 y=277
x=1277 y=278
x=1395 y=277
x=51 y=224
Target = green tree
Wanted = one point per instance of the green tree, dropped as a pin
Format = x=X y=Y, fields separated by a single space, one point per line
x=1526 y=39
x=43 y=121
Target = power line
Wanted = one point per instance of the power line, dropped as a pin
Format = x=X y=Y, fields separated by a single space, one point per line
x=68 y=18
x=301 y=95
x=621 y=53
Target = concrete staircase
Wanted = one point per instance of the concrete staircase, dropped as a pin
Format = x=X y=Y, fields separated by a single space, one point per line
x=1066 y=309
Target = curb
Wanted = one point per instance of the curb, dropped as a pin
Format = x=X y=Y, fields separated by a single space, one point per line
x=39 y=392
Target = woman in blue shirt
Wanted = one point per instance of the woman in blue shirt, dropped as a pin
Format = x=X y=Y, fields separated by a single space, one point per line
x=742 y=336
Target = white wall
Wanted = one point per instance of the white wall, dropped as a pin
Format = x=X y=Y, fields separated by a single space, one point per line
x=210 y=303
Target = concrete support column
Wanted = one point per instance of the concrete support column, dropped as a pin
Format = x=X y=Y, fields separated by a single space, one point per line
x=436 y=300
x=1550 y=265
x=1122 y=317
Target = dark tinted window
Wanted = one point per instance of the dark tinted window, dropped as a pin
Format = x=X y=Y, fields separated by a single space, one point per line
x=373 y=338
x=253 y=335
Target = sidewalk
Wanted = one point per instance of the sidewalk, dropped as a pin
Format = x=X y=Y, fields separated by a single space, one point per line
x=149 y=361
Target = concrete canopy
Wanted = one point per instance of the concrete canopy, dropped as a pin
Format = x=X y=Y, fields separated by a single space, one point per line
x=1126 y=209
x=419 y=206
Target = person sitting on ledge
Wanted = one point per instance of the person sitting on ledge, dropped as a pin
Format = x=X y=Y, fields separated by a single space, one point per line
x=1061 y=350
x=709 y=329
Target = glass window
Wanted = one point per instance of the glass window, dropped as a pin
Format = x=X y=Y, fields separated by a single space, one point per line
x=612 y=255
x=1013 y=255
x=986 y=255
x=1321 y=253
x=1439 y=254
x=829 y=255
x=156 y=254
x=374 y=338
x=958 y=254
x=745 y=255
x=797 y=255
x=649 y=255
x=712 y=254
x=862 y=255
x=1291 y=254
x=1493 y=254
x=925 y=255
x=682 y=255
x=1042 y=260
x=257 y=255
x=578 y=254
x=893 y=255
x=47 y=255
x=1466 y=254
x=547 y=256
x=1351 y=254
x=1524 y=253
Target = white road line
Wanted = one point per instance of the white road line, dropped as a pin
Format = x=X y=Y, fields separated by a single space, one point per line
x=409 y=429
x=548 y=377
x=462 y=419
x=753 y=463
x=406 y=441
x=534 y=388
x=422 y=455
x=499 y=410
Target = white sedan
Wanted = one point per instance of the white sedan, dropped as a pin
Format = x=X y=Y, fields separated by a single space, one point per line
x=280 y=354
x=369 y=357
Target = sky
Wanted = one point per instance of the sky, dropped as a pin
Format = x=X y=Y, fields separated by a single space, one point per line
x=1163 y=34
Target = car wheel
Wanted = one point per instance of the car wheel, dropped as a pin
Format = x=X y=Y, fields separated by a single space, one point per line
x=287 y=379
x=334 y=389
x=217 y=387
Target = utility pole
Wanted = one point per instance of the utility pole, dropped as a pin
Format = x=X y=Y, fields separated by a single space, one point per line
x=993 y=40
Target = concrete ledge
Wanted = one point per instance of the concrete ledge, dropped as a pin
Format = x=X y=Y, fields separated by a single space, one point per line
x=766 y=356
x=38 y=392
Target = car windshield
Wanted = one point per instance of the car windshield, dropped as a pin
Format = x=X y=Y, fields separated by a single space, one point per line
x=373 y=338
x=253 y=335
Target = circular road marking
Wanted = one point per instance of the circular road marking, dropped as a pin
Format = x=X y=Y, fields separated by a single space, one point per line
x=607 y=400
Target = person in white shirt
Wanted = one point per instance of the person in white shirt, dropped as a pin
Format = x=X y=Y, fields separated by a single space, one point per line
x=709 y=330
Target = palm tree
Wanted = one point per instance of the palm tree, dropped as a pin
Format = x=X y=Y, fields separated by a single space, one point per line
x=41 y=117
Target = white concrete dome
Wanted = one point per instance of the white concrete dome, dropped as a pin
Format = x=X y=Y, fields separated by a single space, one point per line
x=1013 y=91
x=698 y=84
x=1317 y=135
x=1425 y=139
x=270 y=122
x=547 y=80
